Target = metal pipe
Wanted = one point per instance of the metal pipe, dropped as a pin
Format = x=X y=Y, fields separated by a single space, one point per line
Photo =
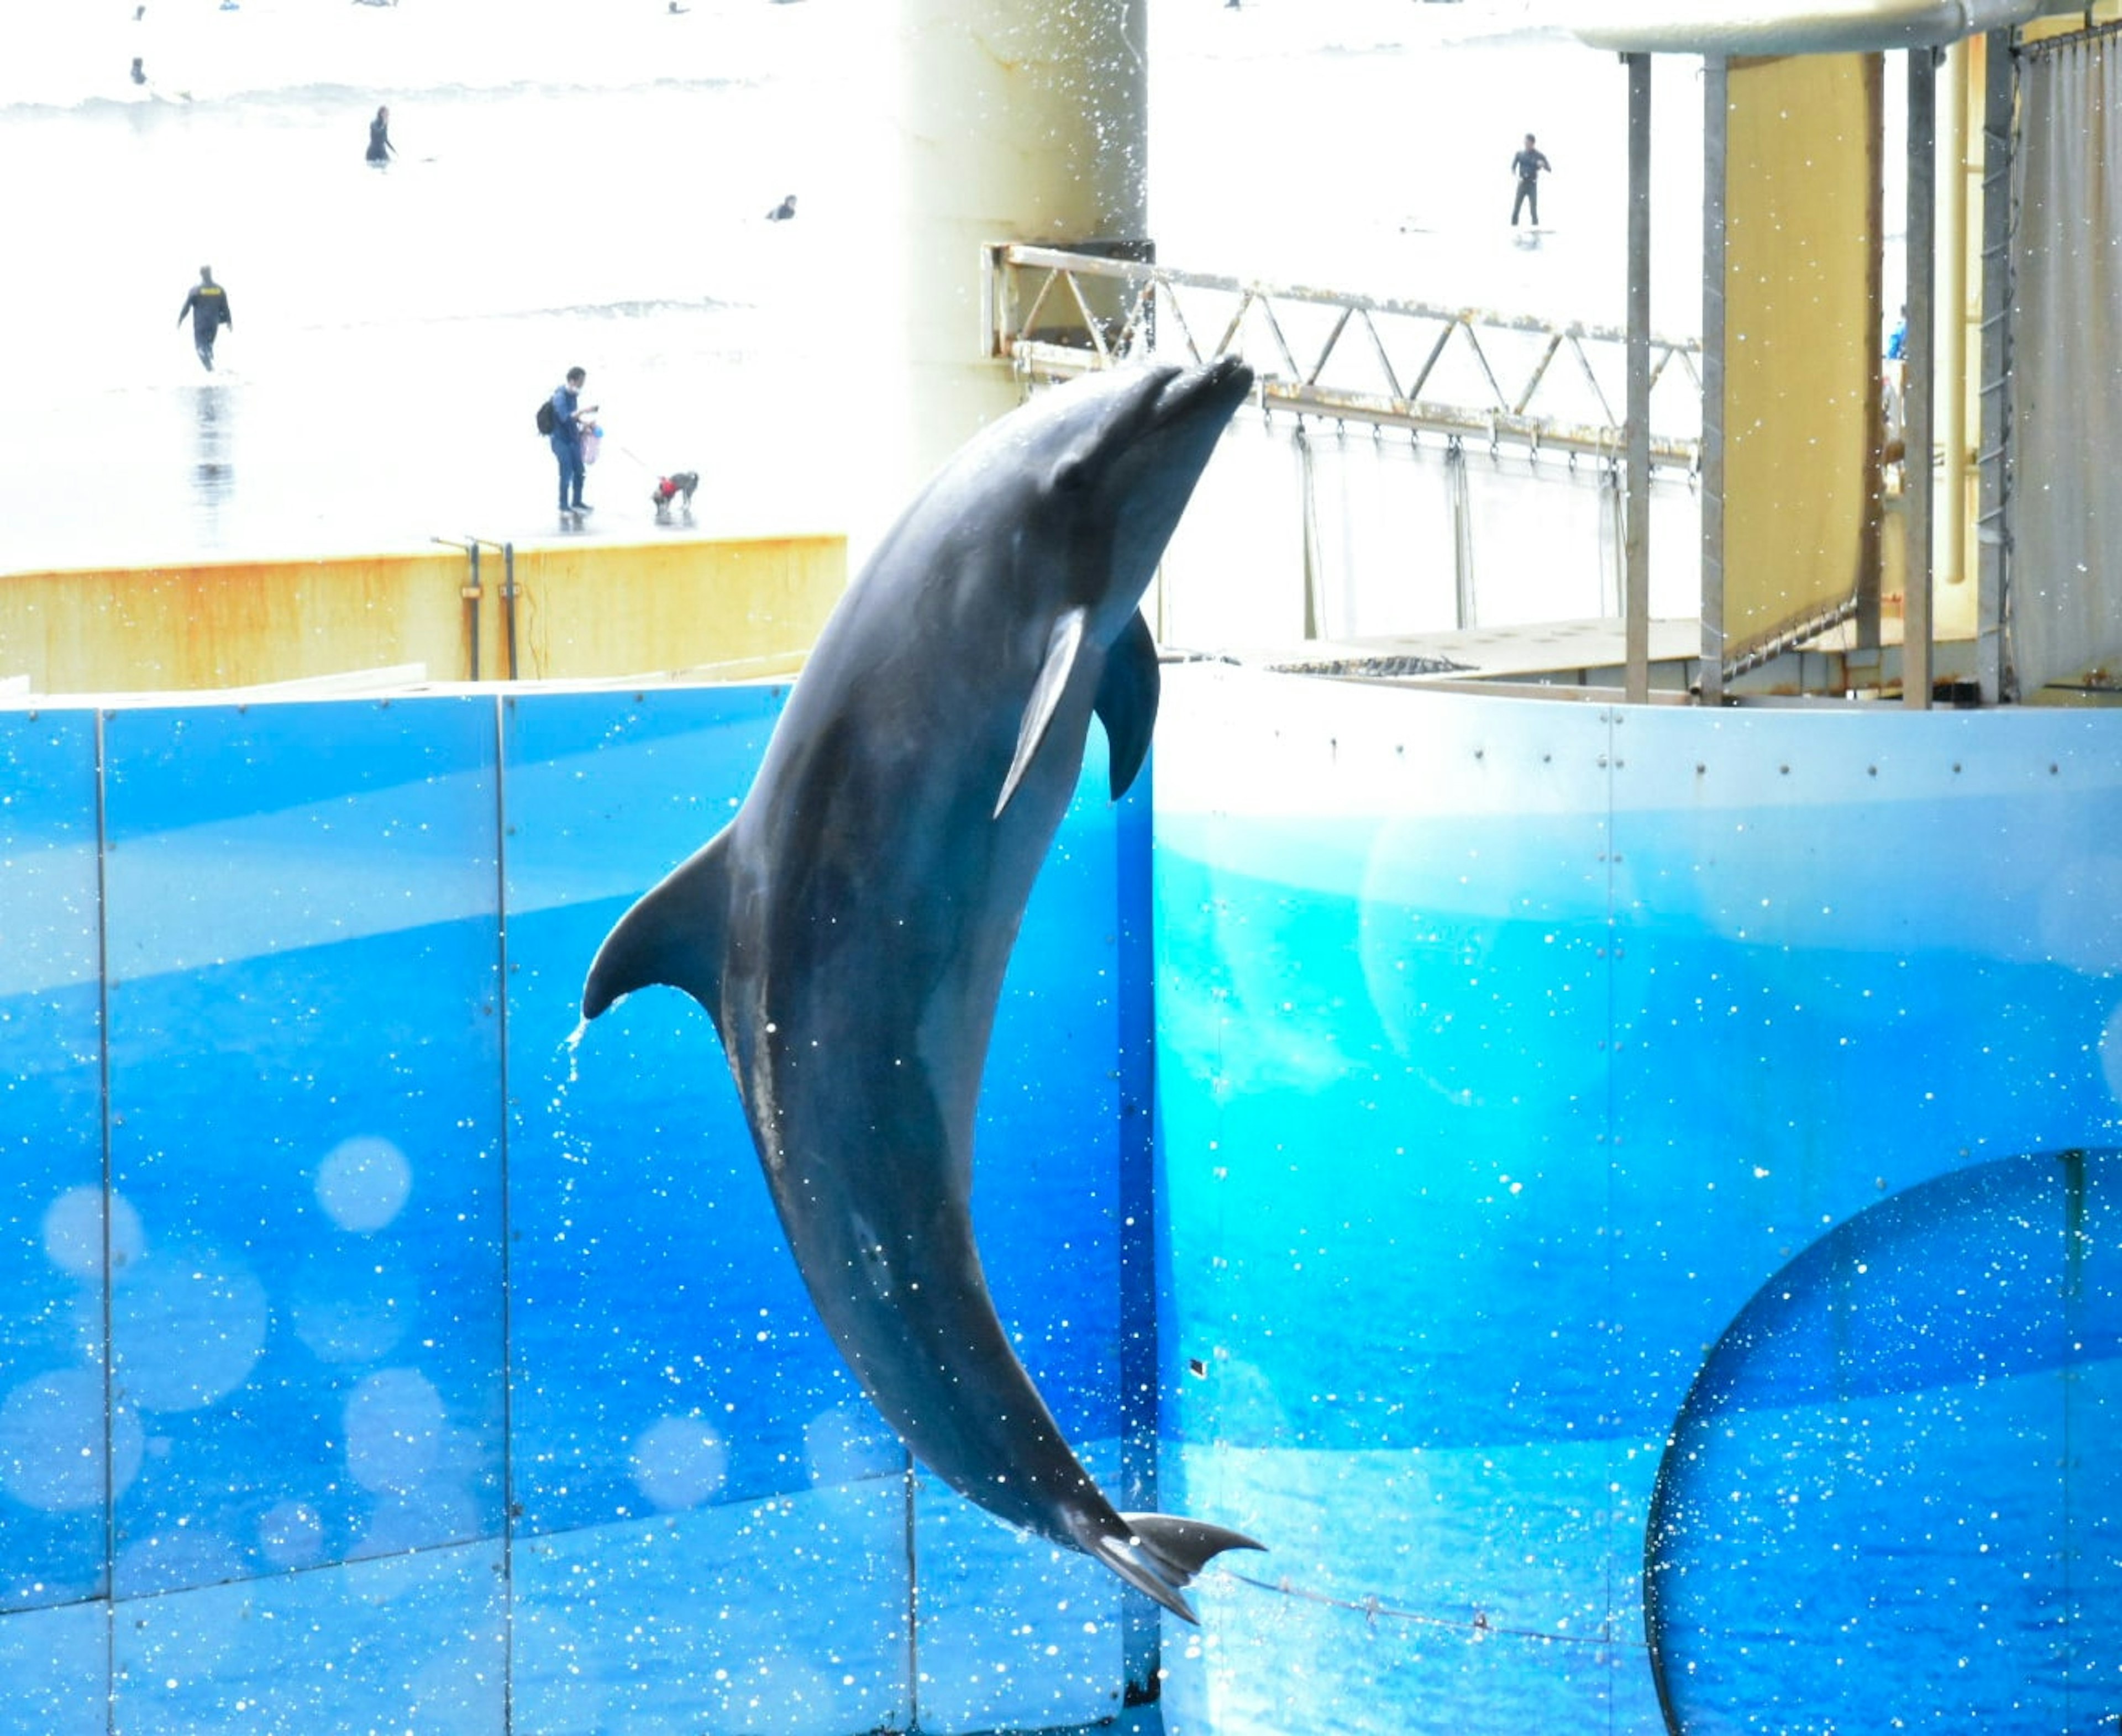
x=1917 y=420
x=1636 y=613
x=508 y=601
x=1952 y=334
x=471 y=594
x=1467 y=602
x=1993 y=553
x=1716 y=117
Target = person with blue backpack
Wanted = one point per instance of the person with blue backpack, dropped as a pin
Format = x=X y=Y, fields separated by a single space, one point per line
x=559 y=419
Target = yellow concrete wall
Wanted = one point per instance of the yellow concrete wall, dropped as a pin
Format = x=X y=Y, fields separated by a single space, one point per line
x=1801 y=344
x=583 y=609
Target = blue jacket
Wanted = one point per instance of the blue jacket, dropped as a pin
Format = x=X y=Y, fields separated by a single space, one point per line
x=566 y=436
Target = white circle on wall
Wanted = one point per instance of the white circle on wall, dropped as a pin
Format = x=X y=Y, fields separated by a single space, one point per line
x=680 y=1462
x=186 y=1328
x=73 y=1232
x=363 y=1183
x=52 y=1442
x=393 y=1431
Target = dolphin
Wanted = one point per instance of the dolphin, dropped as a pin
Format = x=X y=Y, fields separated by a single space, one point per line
x=849 y=929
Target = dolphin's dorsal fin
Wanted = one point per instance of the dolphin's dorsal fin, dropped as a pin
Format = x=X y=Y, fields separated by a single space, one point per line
x=1062 y=646
x=673 y=934
x=1127 y=701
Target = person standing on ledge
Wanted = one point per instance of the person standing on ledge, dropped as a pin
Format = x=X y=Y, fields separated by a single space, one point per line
x=1527 y=165
x=380 y=150
x=566 y=438
x=207 y=304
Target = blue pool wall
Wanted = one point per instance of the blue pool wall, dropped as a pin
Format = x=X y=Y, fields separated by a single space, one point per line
x=1541 y=1083
x=458 y=1372
x=1566 y=1119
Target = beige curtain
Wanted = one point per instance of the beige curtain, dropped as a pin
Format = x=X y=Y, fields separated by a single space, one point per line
x=2064 y=610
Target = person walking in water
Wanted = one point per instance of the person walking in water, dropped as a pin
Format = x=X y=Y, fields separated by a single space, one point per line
x=380 y=150
x=566 y=438
x=207 y=304
x=1527 y=165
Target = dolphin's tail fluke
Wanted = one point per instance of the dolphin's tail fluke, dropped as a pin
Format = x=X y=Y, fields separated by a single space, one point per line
x=1161 y=1553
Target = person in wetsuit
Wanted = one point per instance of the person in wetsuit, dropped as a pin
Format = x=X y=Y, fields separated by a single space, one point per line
x=207 y=304
x=380 y=150
x=1527 y=165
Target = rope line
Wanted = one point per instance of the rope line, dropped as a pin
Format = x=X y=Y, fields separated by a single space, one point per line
x=1373 y=1610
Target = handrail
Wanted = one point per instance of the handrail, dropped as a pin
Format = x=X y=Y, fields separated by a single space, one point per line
x=1055 y=313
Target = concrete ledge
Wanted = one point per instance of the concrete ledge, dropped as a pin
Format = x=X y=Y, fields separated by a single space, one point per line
x=580 y=610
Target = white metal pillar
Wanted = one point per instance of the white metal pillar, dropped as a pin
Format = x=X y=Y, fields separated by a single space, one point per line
x=1636 y=590
x=1716 y=155
x=1917 y=419
x=1017 y=120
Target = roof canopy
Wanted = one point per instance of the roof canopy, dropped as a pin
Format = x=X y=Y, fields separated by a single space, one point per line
x=1762 y=27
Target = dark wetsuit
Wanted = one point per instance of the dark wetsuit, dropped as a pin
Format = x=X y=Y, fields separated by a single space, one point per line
x=208 y=305
x=1528 y=164
x=379 y=140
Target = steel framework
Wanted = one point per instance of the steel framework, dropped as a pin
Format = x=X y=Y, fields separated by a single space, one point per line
x=1463 y=373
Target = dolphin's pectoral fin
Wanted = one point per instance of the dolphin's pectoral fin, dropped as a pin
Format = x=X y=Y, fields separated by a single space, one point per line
x=1062 y=646
x=1162 y=1553
x=1127 y=701
x=673 y=934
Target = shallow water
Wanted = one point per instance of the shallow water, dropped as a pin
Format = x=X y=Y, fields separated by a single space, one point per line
x=576 y=191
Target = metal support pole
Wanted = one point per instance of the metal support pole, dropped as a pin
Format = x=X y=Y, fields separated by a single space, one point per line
x=1716 y=112
x=1307 y=478
x=508 y=601
x=1992 y=551
x=1917 y=419
x=1637 y=600
x=1950 y=555
x=1466 y=598
x=471 y=596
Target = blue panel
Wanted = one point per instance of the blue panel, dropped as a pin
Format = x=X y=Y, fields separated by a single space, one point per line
x=55 y=1670
x=1835 y=921
x=1017 y=1633
x=414 y=1643
x=1381 y=1004
x=665 y=1354
x=53 y=1441
x=782 y=1618
x=304 y=1061
x=1890 y=1498
x=1819 y=961
x=1014 y=1632
x=1046 y=1149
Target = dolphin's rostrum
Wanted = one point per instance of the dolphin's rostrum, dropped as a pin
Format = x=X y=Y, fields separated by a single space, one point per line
x=848 y=931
